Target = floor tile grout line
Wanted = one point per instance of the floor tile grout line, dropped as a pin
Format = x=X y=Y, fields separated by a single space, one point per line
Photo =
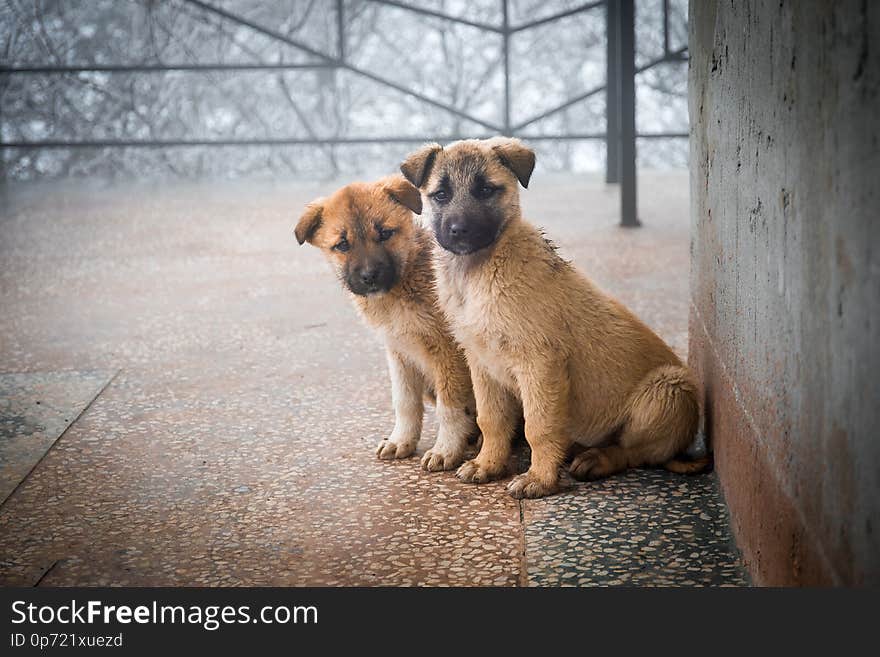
x=46 y=572
x=58 y=439
x=523 y=578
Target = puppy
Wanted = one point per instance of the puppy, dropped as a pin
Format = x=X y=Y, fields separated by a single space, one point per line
x=538 y=333
x=367 y=233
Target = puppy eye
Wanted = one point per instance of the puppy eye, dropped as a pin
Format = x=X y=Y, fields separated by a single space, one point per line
x=385 y=234
x=485 y=191
x=342 y=246
x=441 y=196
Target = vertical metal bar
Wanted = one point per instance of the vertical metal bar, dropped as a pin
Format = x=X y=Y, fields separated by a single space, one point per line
x=666 y=28
x=340 y=29
x=612 y=93
x=628 y=205
x=506 y=46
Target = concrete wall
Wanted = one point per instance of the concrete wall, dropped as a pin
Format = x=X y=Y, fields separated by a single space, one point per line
x=785 y=278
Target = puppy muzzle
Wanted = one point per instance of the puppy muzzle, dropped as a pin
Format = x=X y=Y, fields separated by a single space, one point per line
x=462 y=237
x=371 y=280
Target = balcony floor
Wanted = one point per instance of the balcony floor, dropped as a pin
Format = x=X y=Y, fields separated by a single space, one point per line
x=218 y=402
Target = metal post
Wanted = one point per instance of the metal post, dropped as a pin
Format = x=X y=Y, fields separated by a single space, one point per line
x=666 y=28
x=612 y=93
x=628 y=205
x=506 y=46
x=340 y=30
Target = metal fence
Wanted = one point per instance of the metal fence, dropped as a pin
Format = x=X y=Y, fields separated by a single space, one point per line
x=620 y=135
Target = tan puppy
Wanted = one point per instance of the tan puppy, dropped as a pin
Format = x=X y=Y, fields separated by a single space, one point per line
x=537 y=332
x=367 y=233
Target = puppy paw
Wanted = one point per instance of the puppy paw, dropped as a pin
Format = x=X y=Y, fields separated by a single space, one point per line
x=472 y=472
x=388 y=449
x=527 y=485
x=437 y=460
x=589 y=464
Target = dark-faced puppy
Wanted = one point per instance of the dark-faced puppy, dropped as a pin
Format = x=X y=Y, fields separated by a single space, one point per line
x=473 y=198
x=538 y=333
x=367 y=233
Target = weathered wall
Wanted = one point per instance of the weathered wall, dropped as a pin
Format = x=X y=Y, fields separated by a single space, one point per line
x=785 y=278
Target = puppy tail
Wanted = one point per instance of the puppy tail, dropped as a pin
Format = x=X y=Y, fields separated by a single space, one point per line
x=683 y=465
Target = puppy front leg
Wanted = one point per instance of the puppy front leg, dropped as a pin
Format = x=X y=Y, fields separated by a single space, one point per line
x=497 y=414
x=456 y=414
x=407 y=388
x=544 y=393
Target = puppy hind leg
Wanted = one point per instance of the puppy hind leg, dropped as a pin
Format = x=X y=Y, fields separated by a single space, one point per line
x=662 y=417
x=598 y=462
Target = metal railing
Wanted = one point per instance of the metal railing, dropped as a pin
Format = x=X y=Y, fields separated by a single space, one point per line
x=620 y=134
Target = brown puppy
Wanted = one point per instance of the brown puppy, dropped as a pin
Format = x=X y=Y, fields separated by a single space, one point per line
x=367 y=233
x=537 y=332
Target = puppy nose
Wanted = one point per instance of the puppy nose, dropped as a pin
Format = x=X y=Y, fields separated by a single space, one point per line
x=369 y=276
x=457 y=229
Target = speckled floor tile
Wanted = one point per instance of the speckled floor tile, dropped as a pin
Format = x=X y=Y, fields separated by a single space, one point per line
x=20 y=574
x=235 y=446
x=642 y=528
x=36 y=408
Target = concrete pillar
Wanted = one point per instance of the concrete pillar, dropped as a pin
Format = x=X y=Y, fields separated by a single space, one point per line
x=785 y=278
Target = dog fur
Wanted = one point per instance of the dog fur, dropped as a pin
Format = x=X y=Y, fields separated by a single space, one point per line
x=383 y=259
x=537 y=332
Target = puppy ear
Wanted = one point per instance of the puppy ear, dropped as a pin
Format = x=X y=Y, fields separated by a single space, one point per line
x=417 y=166
x=309 y=221
x=517 y=157
x=404 y=192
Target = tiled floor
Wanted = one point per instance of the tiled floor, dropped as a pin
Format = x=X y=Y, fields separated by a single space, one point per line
x=644 y=528
x=235 y=444
x=35 y=409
